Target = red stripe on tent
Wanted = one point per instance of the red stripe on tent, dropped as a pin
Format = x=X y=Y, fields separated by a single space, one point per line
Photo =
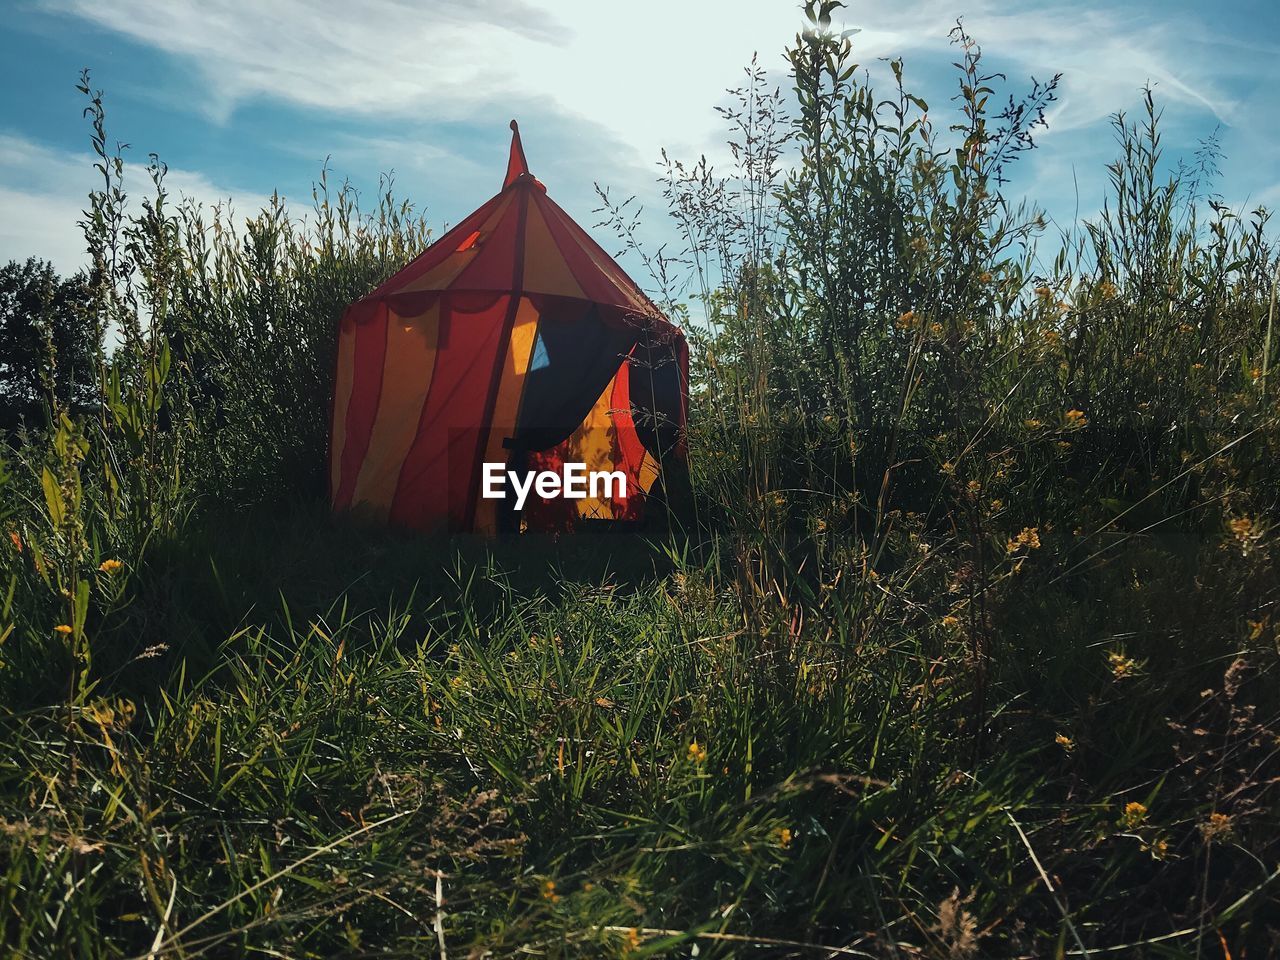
x=440 y=250
x=499 y=360
x=440 y=467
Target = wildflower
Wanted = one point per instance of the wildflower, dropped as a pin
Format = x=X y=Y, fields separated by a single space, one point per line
x=1029 y=537
x=549 y=891
x=633 y=939
x=1242 y=527
x=1217 y=826
x=950 y=622
x=1134 y=814
x=1197 y=366
x=17 y=540
x=1074 y=419
x=1032 y=424
x=1122 y=666
x=784 y=837
x=1043 y=293
x=1107 y=290
x=935 y=328
x=697 y=753
x=919 y=244
x=997 y=505
x=110 y=567
x=984 y=277
x=1159 y=849
x=1255 y=628
x=1065 y=742
x=457 y=682
x=974 y=486
x=1052 y=337
x=906 y=320
x=62 y=628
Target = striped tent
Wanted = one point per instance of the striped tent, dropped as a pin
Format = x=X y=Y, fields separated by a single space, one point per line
x=516 y=340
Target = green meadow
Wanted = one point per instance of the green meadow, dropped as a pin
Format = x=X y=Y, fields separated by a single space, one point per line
x=968 y=645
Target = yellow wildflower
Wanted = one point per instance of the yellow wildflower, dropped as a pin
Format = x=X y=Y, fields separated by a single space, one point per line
x=1122 y=666
x=984 y=277
x=1107 y=290
x=1032 y=424
x=950 y=622
x=784 y=837
x=697 y=752
x=1134 y=814
x=1029 y=537
x=1075 y=419
x=17 y=540
x=1065 y=742
x=1242 y=527
x=110 y=566
x=1043 y=293
x=549 y=891
x=1218 y=825
x=906 y=320
x=62 y=628
x=919 y=244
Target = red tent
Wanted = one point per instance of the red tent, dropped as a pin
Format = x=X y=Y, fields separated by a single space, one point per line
x=515 y=340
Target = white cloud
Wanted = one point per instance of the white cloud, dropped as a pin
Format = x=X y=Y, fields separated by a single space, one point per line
x=46 y=190
x=621 y=82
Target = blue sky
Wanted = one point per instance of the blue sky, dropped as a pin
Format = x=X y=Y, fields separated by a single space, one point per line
x=241 y=97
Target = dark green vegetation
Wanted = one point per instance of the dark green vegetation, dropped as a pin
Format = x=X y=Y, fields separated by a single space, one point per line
x=973 y=650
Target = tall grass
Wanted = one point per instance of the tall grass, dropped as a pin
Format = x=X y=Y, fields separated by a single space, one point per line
x=971 y=649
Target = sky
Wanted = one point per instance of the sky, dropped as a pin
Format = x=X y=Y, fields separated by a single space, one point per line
x=243 y=97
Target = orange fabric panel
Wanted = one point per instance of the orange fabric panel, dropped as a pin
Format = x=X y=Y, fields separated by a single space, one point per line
x=406 y=381
x=524 y=331
x=343 y=379
x=545 y=270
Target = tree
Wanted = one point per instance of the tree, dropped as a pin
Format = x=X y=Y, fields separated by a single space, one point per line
x=48 y=348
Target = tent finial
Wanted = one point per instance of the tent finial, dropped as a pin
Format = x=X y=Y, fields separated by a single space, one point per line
x=516 y=165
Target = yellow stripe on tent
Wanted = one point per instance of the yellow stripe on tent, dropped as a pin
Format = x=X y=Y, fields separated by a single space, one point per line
x=524 y=331
x=406 y=379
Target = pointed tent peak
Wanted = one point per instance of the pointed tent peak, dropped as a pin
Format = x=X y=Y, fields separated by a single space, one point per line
x=517 y=165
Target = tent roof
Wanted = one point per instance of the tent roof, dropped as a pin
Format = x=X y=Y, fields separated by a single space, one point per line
x=520 y=241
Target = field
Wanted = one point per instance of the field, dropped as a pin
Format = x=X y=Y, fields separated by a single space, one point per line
x=969 y=645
